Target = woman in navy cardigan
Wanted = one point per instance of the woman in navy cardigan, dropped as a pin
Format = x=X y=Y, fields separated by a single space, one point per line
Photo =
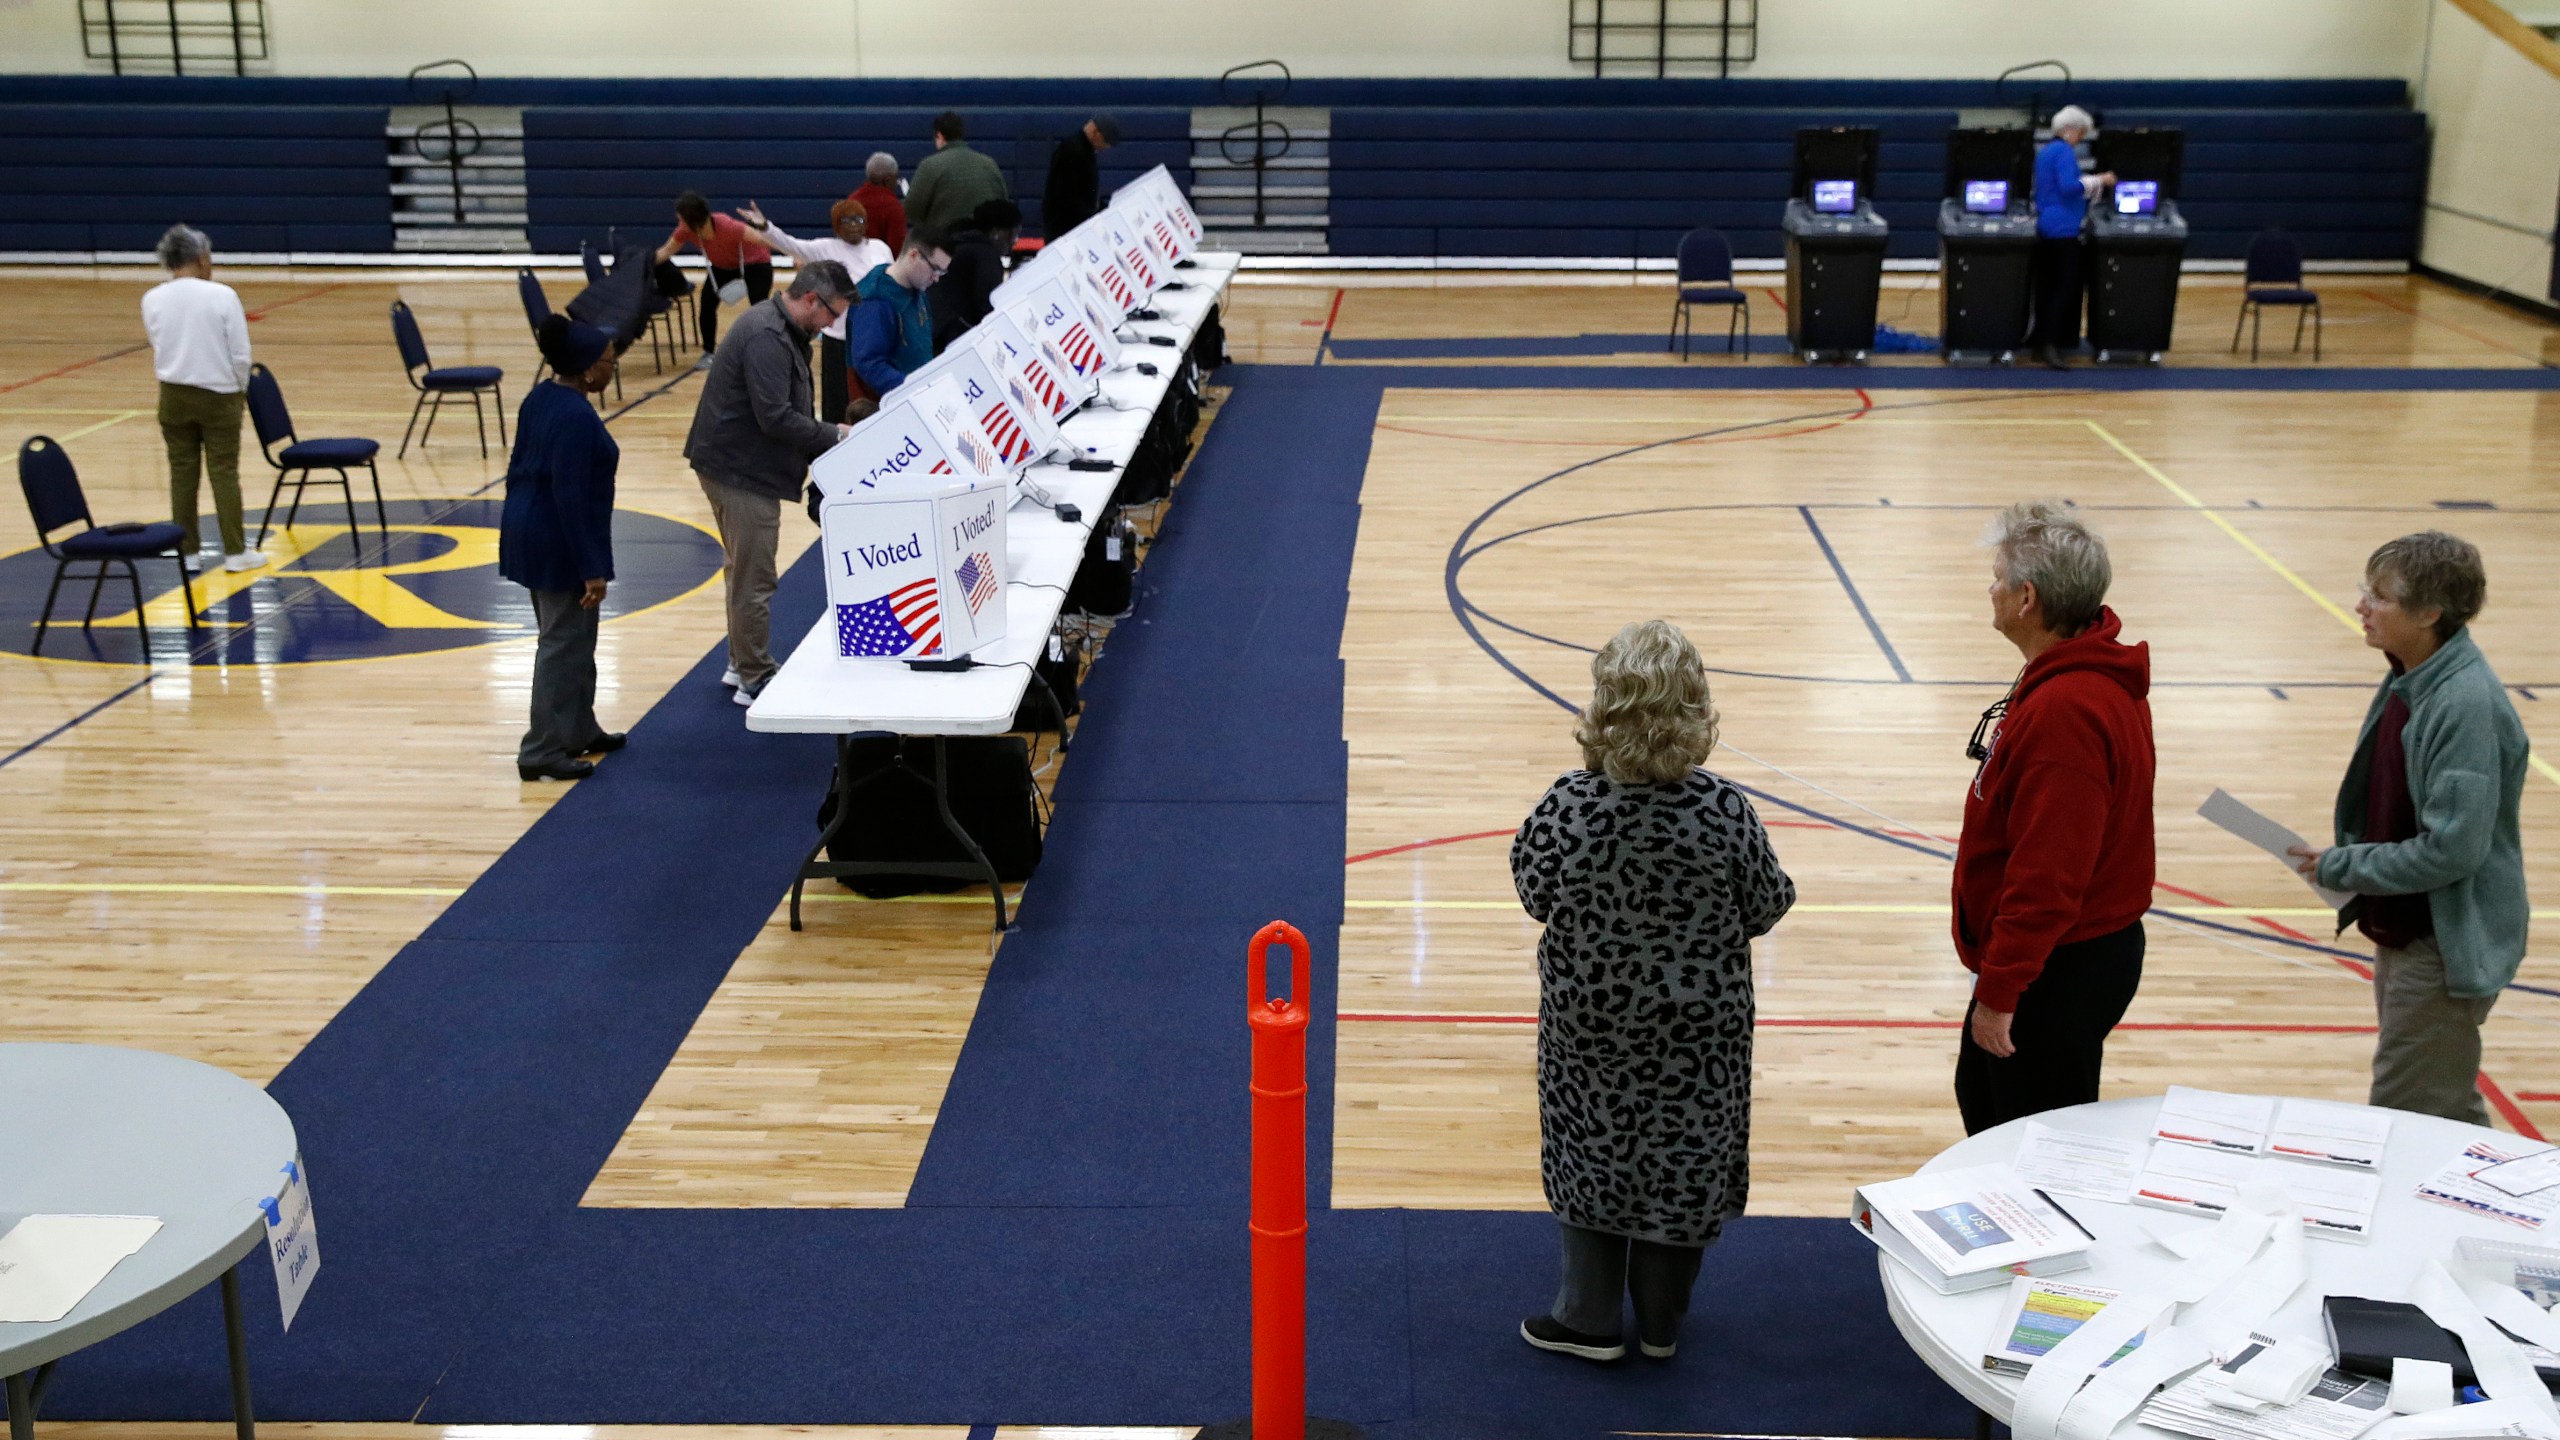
x=556 y=540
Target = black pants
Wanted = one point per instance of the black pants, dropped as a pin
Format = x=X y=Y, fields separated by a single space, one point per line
x=2060 y=1031
x=759 y=275
x=831 y=388
x=2060 y=283
x=564 y=679
x=1602 y=1270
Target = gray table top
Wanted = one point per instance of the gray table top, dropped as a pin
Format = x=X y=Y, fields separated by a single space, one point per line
x=92 y=1129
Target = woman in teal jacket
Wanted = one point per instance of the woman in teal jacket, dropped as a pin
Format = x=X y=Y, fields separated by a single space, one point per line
x=2427 y=838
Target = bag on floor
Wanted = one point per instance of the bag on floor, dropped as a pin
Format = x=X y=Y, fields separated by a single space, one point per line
x=1051 y=699
x=1108 y=579
x=1209 y=346
x=894 y=817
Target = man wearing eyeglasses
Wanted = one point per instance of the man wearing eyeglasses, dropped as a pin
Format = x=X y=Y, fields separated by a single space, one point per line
x=754 y=434
x=890 y=336
x=2056 y=861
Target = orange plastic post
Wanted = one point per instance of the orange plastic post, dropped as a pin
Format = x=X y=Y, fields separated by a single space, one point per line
x=1279 y=1216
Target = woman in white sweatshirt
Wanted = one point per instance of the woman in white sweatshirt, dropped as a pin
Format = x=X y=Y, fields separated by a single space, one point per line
x=850 y=246
x=200 y=351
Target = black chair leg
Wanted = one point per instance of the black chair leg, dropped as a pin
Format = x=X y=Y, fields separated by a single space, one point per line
x=133 y=576
x=1671 y=338
x=269 y=519
x=1746 y=332
x=187 y=590
x=413 y=424
x=301 y=483
x=381 y=516
x=46 y=618
x=2257 y=322
x=97 y=582
x=480 y=418
x=1732 y=322
x=2319 y=323
x=2238 y=323
x=498 y=402
x=433 y=411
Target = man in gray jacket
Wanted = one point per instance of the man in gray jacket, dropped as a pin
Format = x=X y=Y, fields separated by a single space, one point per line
x=2426 y=827
x=753 y=437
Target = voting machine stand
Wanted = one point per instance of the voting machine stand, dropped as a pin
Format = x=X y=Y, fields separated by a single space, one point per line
x=2135 y=252
x=1986 y=245
x=1835 y=245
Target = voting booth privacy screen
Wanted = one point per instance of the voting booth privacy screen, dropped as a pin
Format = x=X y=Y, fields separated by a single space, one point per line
x=913 y=529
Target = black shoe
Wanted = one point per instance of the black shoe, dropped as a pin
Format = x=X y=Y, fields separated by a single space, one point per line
x=2055 y=359
x=606 y=743
x=1663 y=1351
x=1545 y=1332
x=558 y=770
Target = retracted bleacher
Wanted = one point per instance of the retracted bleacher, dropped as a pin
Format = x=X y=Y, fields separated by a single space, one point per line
x=113 y=177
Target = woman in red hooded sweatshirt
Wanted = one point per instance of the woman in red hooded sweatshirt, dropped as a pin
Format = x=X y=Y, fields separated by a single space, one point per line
x=2055 y=865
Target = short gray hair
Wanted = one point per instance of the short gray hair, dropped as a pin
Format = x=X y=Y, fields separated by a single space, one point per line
x=1650 y=720
x=183 y=246
x=2071 y=117
x=2046 y=544
x=881 y=168
x=826 y=279
x=2431 y=570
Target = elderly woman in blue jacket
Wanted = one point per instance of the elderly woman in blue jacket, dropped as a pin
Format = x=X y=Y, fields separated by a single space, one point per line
x=555 y=538
x=2062 y=206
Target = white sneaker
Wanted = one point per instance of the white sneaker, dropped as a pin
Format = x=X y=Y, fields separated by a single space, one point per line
x=729 y=677
x=746 y=696
x=245 y=560
x=194 y=563
x=209 y=552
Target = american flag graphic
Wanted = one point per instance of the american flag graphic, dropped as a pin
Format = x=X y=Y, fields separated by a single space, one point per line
x=940 y=467
x=1182 y=217
x=1046 y=386
x=979 y=459
x=1164 y=237
x=977 y=577
x=1081 y=352
x=1139 y=267
x=1006 y=432
x=1119 y=288
x=908 y=618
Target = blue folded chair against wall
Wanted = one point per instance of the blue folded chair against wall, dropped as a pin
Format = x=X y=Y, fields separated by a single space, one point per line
x=1706 y=278
x=298 y=461
x=537 y=308
x=54 y=500
x=435 y=386
x=2274 y=277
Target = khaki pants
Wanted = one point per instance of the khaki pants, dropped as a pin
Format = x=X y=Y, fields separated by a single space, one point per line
x=202 y=430
x=2427 y=1058
x=750 y=534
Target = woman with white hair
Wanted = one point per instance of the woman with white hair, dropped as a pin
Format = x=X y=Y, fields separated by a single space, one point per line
x=2055 y=863
x=200 y=352
x=2062 y=207
x=1652 y=877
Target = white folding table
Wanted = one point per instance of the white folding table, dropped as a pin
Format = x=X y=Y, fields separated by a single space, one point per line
x=817 y=692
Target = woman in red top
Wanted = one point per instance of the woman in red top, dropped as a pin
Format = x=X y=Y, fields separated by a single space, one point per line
x=734 y=252
x=2054 y=869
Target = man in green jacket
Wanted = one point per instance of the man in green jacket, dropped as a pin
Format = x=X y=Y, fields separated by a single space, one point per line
x=2426 y=828
x=953 y=181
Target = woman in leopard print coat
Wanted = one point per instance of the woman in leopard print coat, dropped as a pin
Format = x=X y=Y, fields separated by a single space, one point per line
x=1652 y=877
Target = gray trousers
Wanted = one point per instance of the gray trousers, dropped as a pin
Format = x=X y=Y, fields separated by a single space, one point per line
x=564 y=679
x=1601 y=1271
x=2427 y=1058
x=750 y=528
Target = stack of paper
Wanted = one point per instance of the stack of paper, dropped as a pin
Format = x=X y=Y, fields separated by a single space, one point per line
x=50 y=1263
x=2350 y=1135
x=2067 y=1162
x=2339 y=1407
x=2335 y=1203
x=1967 y=1229
x=2042 y=1314
x=2212 y=1120
x=2462 y=1185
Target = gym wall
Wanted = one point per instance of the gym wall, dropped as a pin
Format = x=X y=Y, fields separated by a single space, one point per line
x=1967 y=39
x=2492 y=89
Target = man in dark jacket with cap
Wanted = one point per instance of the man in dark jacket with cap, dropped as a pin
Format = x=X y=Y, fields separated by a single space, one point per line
x=1075 y=177
x=965 y=293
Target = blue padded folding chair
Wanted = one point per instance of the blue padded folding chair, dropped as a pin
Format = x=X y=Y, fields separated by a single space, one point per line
x=537 y=308
x=299 y=461
x=52 y=488
x=1706 y=278
x=436 y=386
x=2274 y=277
x=669 y=317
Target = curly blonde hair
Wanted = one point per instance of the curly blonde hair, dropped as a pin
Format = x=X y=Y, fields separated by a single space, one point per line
x=1650 y=720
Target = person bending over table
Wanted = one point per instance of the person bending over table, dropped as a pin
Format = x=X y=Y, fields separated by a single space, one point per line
x=735 y=256
x=963 y=296
x=555 y=538
x=2426 y=828
x=752 y=439
x=200 y=352
x=1652 y=877
x=890 y=335
x=852 y=247
x=2055 y=863
x=2062 y=209
x=1074 y=189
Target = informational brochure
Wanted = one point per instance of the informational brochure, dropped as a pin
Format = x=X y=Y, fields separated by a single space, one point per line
x=50 y=1263
x=2458 y=1185
x=2042 y=1314
x=2268 y=835
x=2069 y=1162
x=1961 y=1229
x=2212 y=1120
x=2350 y=1135
x=2340 y=1406
x=2338 y=1204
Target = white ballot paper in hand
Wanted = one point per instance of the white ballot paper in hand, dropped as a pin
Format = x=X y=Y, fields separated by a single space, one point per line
x=50 y=1263
x=2220 y=808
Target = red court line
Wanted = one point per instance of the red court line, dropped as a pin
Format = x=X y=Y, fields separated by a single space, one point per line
x=1775 y=299
x=1427 y=844
x=2466 y=332
x=263 y=311
x=2539 y=1097
x=74 y=365
x=2499 y=1102
x=2196 y=1027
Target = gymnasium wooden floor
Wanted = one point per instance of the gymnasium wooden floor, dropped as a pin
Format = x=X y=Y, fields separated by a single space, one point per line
x=211 y=859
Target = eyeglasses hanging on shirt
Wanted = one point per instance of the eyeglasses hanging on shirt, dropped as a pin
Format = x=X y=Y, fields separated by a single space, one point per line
x=1986 y=730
